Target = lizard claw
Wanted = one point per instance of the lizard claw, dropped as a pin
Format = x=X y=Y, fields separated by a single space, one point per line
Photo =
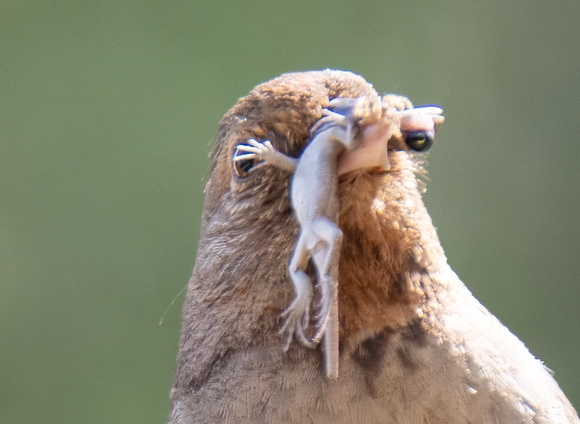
x=329 y=117
x=255 y=150
x=346 y=112
x=428 y=117
x=325 y=308
x=263 y=153
x=295 y=322
x=434 y=111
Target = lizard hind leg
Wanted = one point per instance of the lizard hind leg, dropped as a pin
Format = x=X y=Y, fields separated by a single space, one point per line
x=297 y=315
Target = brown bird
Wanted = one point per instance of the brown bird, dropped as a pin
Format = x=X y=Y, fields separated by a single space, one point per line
x=415 y=345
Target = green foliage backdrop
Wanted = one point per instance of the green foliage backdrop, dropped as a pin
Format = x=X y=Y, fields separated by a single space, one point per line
x=107 y=112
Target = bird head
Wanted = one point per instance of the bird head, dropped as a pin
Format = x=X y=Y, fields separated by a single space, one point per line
x=388 y=236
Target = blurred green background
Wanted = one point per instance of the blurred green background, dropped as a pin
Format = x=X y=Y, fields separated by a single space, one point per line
x=107 y=112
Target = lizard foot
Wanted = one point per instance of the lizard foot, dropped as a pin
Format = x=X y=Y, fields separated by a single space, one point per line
x=262 y=152
x=346 y=112
x=255 y=150
x=296 y=321
x=428 y=116
x=327 y=300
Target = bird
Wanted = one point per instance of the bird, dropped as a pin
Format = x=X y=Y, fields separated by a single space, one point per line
x=415 y=346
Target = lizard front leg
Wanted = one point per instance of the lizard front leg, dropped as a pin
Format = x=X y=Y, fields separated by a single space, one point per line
x=264 y=152
x=344 y=113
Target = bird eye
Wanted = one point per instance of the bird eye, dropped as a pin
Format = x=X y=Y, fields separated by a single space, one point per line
x=242 y=166
x=419 y=141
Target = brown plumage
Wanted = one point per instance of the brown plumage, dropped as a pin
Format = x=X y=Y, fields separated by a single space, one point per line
x=415 y=345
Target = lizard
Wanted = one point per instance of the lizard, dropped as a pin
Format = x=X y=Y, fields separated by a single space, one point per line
x=351 y=134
